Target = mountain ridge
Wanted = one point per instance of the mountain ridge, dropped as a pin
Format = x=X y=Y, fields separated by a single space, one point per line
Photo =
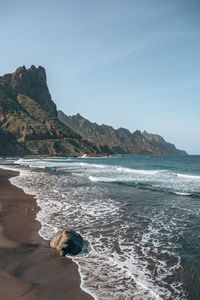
x=121 y=140
x=31 y=125
x=28 y=119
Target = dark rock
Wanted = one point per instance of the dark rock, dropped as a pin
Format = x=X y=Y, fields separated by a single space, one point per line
x=67 y=241
x=32 y=83
x=158 y=141
x=28 y=119
x=118 y=141
x=29 y=124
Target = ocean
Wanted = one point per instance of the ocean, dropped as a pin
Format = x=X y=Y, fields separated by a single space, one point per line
x=138 y=214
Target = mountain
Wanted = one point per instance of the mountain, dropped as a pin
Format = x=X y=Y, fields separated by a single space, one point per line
x=119 y=141
x=28 y=119
x=159 y=142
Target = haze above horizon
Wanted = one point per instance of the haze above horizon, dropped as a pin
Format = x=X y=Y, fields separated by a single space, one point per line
x=132 y=64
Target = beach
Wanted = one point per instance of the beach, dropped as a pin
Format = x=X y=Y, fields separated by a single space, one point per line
x=29 y=268
x=138 y=216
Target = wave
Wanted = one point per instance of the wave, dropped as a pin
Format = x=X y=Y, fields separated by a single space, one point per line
x=144 y=186
x=57 y=159
x=37 y=166
x=183 y=194
x=11 y=168
x=93 y=165
x=166 y=181
x=70 y=200
x=102 y=179
x=145 y=172
x=22 y=161
x=188 y=176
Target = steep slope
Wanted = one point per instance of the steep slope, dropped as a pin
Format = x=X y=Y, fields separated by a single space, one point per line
x=159 y=142
x=28 y=119
x=119 y=141
x=32 y=83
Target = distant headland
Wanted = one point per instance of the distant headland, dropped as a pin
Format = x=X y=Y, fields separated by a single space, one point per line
x=31 y=125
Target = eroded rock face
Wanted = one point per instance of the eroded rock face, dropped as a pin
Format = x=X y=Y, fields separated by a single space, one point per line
x=67 y=241
x=28 y=119
x=119 y=141
x=32 y=83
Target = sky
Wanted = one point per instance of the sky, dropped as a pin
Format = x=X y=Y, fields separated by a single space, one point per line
x=124 y=63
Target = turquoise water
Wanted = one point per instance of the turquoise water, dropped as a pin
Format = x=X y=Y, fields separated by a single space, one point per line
x=140 y=215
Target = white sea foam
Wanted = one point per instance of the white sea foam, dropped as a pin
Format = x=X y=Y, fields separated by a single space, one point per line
x=94 y=211
x=143 y=172
x=23 y=161
x=102 y=179
x=190 y=177
x=7 y=167
x=92 y=165
x=37 y=166
x=120 y=261
x=182 y=194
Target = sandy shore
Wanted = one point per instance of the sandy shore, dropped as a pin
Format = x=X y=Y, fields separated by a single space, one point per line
x=29 y=269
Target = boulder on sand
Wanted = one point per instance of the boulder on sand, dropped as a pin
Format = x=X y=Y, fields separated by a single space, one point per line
x=67 y=241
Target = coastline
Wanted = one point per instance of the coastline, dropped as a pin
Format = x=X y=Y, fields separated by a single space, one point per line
x=29 y=268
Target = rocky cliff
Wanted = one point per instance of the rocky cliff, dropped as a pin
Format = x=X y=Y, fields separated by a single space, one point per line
x=28 y=119
x=119 y=141
x=159 y=142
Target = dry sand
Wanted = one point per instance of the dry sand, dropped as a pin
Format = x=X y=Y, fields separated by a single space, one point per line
x=29 y=269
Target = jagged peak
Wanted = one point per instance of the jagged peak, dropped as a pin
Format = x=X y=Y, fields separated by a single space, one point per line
x=20 y=69
x=119 y=140
x=123 y=130
x=77 y=116
x=33 y=67
x=145 y=132
x=137 y=132
x=32 y=83
x=152 y=135
x=37 y=70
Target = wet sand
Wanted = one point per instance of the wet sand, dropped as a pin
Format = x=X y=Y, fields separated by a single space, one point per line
x=29 y=269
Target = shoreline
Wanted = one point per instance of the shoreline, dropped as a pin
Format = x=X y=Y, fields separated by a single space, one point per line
x=29 y=268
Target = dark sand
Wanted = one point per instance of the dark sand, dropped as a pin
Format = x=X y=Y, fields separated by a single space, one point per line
x=29 y=269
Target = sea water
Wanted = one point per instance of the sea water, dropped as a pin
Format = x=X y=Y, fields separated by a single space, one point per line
x=139 y=214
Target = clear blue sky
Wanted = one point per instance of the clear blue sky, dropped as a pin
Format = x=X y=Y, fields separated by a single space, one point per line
x=127 y=63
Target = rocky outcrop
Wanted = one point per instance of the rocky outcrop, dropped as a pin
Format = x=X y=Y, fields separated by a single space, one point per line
x=67 y=241
x=28 y=119
x=31 y=125
x=32 y=83
x=119 y=141
x=160 y=143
